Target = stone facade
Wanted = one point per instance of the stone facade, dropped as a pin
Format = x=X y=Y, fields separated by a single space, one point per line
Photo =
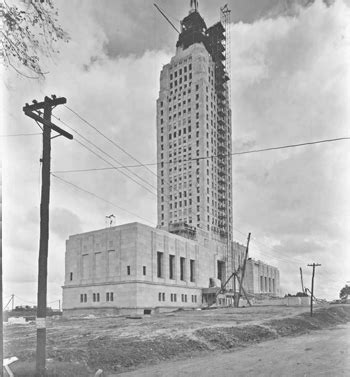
x=262 y=278
x=137 y=268
x=134 y=267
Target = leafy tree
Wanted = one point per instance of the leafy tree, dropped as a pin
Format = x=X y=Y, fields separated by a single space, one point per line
x=344 y=292
x=29 y=31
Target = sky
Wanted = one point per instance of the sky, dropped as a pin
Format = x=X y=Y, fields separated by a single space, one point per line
x=289 y=84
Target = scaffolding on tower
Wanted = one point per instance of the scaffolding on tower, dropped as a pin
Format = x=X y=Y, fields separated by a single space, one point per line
x=225 y=18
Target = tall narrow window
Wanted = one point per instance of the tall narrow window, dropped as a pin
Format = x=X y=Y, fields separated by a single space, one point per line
x=171 y=266
x=71 y=276
x=128 y=270
x=192 y=270
x=159 y=264
x=144 y=270
x=182 y=268
x=221 y=269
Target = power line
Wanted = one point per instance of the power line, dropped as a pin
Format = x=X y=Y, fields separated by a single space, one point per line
x=107 y=154
x=94 y=169
x=198 y=158
x=110 y=140
x=271 y=254
x=213 y=156
x=113 y=167
x=15 y=135
x=88 y=192
x=104 y=152
x=23 y=300
x=284 y=257
x=140 y=164
x=99 y=197
x=291 y=146
x=286 y=260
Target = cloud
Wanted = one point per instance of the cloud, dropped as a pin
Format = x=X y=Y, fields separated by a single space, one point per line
x=118 y=97
x=64 y=222
x=289 y=84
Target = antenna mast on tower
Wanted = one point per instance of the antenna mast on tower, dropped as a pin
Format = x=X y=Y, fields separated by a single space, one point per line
x=194 y=5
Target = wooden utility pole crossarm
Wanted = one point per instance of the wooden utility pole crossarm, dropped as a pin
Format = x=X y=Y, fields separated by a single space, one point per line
x=47 y=105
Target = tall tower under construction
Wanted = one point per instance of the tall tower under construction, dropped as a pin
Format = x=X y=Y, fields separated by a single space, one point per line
x=190 y=260
x=194 y=134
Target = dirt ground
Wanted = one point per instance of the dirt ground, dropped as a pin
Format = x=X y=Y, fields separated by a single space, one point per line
x=320 y=353
x=78 y=347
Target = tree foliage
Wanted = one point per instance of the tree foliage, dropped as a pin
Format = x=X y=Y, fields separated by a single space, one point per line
x=344 y=292
x=29 y=31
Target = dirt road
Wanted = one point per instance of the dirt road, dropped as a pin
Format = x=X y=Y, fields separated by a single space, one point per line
x=78 y=347
x=319 y=353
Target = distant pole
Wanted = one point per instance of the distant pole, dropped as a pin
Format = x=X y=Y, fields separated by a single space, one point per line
x=33 y=111
x=313 y=265
x=13 y=301
x=301 y=277
x=59 y=305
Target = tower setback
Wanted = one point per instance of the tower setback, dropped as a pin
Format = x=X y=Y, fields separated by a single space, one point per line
x=194 y=135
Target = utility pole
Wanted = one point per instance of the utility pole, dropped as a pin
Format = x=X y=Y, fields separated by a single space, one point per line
x=313 y=265
x=243 y=272
x=302 y=283
x=33 y=111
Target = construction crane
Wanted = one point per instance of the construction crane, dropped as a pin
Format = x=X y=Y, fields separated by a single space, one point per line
x=166 y=17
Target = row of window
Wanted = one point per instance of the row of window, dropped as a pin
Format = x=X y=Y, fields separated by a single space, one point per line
x=180 y=71
x=181 y=92
x=171 y=270
x=267 y=284
x=175 y=82
x=128 y=270
x=96 y=297
x=173 y=297
x=178 y=124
